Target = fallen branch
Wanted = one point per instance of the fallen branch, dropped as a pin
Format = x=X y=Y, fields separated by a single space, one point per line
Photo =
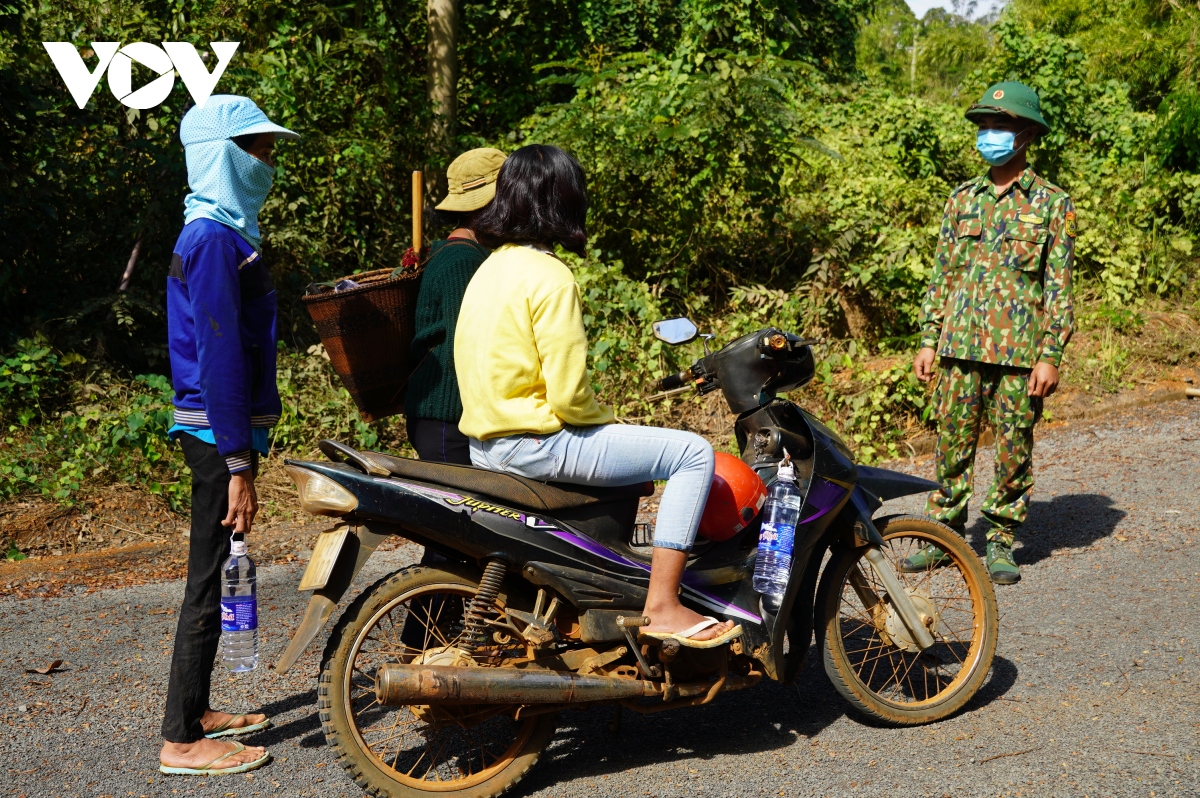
x=1145 y=753
x=1014 y=753
x=1039 y=634
x=133 y=259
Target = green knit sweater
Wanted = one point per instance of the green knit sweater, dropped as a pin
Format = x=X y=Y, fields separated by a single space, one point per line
x=433 y=388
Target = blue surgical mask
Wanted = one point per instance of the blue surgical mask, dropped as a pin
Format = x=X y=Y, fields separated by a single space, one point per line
x=996 y=146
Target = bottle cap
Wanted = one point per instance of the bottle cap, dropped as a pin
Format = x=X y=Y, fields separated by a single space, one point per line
x=786 y=469
x=238 y=548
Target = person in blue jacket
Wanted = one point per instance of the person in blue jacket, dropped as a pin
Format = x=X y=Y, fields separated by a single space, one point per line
x=221 y=318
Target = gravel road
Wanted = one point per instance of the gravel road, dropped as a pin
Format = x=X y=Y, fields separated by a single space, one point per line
x=1095 y=689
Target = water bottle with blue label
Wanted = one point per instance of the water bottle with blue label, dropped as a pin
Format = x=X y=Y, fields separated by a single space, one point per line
x=778 y=535
x=239 y=611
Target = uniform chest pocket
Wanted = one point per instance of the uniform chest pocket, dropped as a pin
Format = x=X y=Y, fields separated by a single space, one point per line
x=969 y=228
x=1022 y=248
x=967 y=233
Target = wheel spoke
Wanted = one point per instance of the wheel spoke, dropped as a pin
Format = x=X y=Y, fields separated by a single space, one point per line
x=950 y=593
x=454 y=747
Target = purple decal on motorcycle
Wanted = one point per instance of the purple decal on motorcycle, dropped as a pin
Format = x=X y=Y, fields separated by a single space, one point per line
x=823 y=497
x=592 y=547
x=588 y=545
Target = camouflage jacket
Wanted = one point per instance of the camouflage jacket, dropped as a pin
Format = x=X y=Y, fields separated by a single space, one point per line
x=1001 y=286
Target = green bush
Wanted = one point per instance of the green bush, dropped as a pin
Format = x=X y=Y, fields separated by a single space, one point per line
x=113 y=432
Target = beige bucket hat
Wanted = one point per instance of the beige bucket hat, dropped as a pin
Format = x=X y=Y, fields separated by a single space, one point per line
x=472 y=179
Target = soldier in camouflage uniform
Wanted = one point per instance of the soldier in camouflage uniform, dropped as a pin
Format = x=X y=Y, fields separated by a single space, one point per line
x=998 y=315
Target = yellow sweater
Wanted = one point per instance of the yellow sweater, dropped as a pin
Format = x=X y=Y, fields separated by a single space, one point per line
x=520 y=350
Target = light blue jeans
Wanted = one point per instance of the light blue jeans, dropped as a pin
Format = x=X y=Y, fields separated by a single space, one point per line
x=611 y=455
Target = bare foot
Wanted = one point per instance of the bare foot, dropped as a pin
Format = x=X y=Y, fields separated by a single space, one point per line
x=203 y=751
x=213 y=719
x=677 y=618
x=662 y=598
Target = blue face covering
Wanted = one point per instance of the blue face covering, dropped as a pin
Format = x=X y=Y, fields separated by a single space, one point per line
x=228 y=184
x=996 y=146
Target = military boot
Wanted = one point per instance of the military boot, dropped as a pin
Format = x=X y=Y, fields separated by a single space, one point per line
x=926 y=558
x=1000 y=563
x=929 y=556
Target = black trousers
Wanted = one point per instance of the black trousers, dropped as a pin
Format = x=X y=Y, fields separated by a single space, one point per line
x=199 y=631
x=438 y=441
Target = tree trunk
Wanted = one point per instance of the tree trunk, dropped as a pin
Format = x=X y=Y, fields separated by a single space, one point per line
x=442 y=60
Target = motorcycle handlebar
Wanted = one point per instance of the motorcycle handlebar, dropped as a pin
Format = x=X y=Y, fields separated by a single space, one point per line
x=675 y=381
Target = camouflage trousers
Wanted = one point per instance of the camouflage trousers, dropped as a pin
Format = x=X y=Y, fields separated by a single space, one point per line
x=967 y=392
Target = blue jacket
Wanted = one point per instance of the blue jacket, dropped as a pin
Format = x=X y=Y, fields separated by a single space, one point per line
x=221 y=316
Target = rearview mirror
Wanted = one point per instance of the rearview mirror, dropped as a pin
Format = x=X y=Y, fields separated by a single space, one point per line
x=675 y=331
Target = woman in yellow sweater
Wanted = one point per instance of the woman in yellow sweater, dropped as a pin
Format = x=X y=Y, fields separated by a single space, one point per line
x=521 y=355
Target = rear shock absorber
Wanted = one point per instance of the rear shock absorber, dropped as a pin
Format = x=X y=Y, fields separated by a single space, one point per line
x=475 y=632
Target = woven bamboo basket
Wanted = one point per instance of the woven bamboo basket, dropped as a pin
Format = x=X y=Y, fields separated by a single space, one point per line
x=367 y=332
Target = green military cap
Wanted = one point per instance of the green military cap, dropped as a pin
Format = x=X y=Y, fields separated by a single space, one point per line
x=1010 y=99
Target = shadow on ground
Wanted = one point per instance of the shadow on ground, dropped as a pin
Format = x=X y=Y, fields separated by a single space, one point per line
x=277 y=734
x=767 y=717
x=764 y=718
x=1072 y=521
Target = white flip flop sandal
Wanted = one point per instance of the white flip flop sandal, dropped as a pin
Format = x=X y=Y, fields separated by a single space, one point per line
x=211 y=770
x=227 y=729
x=684 y=638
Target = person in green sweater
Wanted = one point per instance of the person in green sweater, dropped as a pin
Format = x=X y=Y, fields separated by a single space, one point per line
x=433 y=406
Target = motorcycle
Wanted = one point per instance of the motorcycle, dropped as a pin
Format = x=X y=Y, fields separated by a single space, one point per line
x=449 y=676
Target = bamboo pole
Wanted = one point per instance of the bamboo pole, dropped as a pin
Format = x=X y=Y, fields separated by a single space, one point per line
x=418 y=195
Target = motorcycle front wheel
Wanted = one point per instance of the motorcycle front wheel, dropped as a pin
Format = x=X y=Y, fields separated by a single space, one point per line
x=417 y=615
x=870 y=655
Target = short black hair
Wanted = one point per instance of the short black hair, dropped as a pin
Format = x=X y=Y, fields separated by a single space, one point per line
x=451 y=219
x=541 y=198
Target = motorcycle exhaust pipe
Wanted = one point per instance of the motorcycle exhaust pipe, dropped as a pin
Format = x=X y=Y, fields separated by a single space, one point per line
x=398 y=685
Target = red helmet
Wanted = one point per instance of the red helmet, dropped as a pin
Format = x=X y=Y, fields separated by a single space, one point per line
x=736 y=496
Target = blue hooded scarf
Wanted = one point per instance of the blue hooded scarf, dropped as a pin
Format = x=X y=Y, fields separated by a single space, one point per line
x=228 y=184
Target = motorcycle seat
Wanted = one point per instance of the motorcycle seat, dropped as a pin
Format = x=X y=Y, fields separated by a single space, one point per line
x=505 y=488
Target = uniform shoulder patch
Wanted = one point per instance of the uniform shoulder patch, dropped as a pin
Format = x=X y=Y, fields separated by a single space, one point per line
x=964 y=186
x=1050 y=187
x=1069 y=224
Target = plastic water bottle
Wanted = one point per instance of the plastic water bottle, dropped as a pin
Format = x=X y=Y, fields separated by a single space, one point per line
x=239 y=611
x=778 y=535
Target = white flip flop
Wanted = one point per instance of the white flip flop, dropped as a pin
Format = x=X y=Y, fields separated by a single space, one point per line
x=684 y=638
x=209 y=770
x=227 y=729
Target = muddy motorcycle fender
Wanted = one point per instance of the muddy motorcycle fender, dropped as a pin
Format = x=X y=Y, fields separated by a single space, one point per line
x=839 y=504
x=831 y=476
x=341 y=553
x=328 y=575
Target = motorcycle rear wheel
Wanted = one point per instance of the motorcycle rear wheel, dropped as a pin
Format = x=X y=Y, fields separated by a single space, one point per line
x=418 y=752
x=869 y=655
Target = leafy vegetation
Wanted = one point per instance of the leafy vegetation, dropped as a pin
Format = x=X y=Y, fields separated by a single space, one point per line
x=751 y=162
